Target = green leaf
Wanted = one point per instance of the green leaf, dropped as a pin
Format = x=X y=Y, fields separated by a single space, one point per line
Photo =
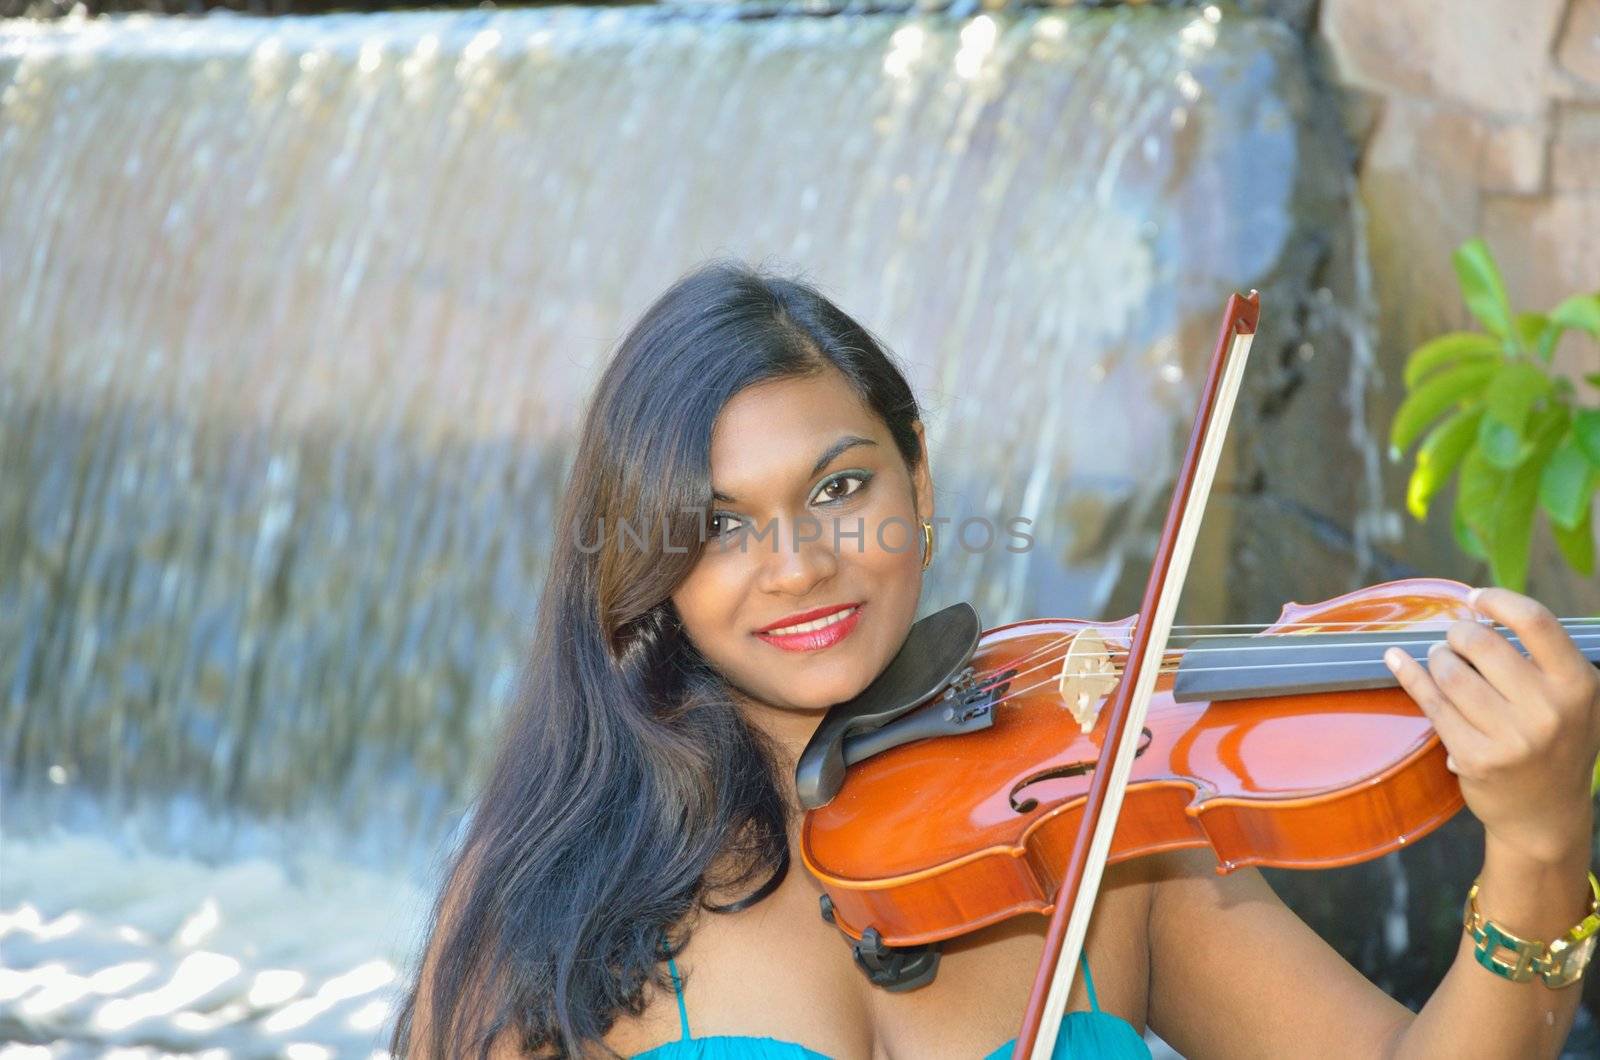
x=1537 y=332
x=1448 y=349
x=1565 y=488
x=1424 y=404
x=1577 y=544
x=1466 y=538
x=1438 y=458
x=1496 y=507
x=1500 y=445
x=1477 y=491
x=1513 y=390
x=1512 y=532
x=1482 y=287
x=1581 y=311
x=1586 y=429
x=1592 y=380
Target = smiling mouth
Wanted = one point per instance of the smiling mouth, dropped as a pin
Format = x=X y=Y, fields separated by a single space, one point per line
x=808 y=621
x=814 y=634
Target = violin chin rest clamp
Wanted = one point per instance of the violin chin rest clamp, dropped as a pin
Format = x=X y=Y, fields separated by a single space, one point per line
x=893 y=969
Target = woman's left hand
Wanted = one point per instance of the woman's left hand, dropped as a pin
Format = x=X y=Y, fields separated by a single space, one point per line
x=1522 y=733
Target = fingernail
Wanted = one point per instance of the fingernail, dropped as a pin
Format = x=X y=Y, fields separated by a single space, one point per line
x=1392 y=658
x=1472 y=597
x=1435 y=648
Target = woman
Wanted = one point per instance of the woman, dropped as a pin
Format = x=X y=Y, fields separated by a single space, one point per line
x=628 y=884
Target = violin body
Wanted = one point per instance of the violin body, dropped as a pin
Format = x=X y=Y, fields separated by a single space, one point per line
x=941 y=836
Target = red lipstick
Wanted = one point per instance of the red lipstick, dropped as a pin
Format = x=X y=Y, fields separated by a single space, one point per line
x=813 y=639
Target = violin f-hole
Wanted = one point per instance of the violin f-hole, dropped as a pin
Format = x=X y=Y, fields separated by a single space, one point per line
x=1027 y=804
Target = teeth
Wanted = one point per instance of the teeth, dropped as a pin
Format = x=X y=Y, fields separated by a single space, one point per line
x=807 y=627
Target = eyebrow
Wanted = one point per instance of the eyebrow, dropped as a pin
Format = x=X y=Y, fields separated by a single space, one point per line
x=828 y=456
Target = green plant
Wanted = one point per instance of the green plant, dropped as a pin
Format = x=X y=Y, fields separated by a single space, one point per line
x=1514 y=434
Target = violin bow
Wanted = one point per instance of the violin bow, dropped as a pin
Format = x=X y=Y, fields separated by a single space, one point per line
x=1069 y=921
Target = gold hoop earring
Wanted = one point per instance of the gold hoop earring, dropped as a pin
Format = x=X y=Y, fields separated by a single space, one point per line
x=927 y=544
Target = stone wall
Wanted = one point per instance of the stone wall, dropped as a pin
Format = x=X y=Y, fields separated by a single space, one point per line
x=1480 y=118
x=1481 y=121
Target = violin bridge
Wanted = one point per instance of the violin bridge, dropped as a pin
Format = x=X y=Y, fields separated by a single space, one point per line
x=1087 y=676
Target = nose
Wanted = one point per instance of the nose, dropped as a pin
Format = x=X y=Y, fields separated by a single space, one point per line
x=798 y=556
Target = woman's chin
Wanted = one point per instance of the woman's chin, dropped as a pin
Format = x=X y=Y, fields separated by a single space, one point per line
x=821 y=687
x=829 y=694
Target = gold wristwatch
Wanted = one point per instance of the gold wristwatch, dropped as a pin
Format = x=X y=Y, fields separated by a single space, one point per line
x=1559 y=964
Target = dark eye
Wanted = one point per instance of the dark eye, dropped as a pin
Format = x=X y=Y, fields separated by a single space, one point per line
x=713 y=527
x=832 y=490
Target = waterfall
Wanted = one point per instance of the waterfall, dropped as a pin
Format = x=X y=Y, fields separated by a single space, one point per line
x=298 y=320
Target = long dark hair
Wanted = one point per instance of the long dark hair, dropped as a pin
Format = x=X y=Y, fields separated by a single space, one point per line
x=626 y=787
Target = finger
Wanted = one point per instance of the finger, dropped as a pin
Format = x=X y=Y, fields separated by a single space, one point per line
x=1467 y=691
x=1551 y=649
x=1460 y=737
x=1488 y=651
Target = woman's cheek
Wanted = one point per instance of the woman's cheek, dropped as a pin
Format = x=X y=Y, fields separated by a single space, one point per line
x=893 y=543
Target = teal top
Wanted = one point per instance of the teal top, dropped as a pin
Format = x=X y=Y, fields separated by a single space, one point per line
x=1083 y=1034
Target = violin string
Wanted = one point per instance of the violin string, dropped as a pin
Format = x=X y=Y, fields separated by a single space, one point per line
x=1049 y=656
x=1244 y=628
x=1580 y=639
x=1567 y=623
x=1055 y=679
x=1575 y=632
x=1357 y=627
x=1354 y=622
x=1173 y=669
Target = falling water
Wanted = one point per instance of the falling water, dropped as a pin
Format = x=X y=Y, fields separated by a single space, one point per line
x=299 y=316
x=1377 y=523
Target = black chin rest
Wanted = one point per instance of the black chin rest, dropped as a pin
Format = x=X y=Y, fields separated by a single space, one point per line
x=936 y=650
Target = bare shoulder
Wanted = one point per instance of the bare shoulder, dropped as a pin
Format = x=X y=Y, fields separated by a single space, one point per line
x=655 y=1024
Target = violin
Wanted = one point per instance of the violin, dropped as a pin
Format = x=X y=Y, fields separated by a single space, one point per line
x=1292 y=747
x=982 y=775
